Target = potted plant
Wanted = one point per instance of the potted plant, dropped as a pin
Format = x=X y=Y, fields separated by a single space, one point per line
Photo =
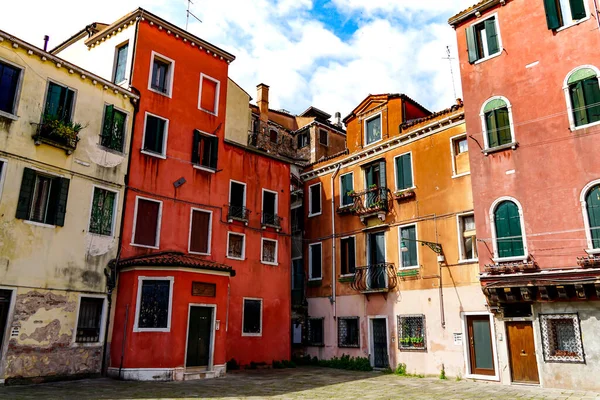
x=59 y=131
x=404 y=194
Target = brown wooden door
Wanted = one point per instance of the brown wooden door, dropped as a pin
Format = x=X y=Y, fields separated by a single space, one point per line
x=521 y=349
x=481 y=350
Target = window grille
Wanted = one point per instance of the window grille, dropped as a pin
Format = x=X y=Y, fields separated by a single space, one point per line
x=315 y=332
x=154 y=304
x=561 y=338
x=411 y=332
x=349 y=332
x=90 y=317
x=269 y=251
x=236 y=246
x=103 y=206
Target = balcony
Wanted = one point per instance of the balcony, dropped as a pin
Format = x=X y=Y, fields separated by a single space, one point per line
x=237 y=213
x=373 y=201
x=270 y=220
x=57 y=133
x=377 y=278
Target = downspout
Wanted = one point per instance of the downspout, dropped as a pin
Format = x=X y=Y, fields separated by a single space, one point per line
x=441 y=289
x=597 y=14
x=333 y=263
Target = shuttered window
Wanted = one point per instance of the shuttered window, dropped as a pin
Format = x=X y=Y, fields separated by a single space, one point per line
x=200 y=231
x=9 y=83
x=314 y=258
x=155 y=134
x=43 y=198
x=404 y=172
x=102 y=216
x=561 y=13
x=497 y=123
x=154 y=304
x=584 y=92
x=347 y=187
x=121 y=63
x=509 y=238
x=348 y=255
x=113 y=129
x=408 y=246
x=205 y=150
x=252 y=324
x=209 y=94
x=314 y=206
x=59 y=103
x=593 y=209
x=323 y=137
x=483 y=39
x=89 y=320
x=147 y=222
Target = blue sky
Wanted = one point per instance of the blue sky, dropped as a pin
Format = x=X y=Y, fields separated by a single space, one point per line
x=326 y=53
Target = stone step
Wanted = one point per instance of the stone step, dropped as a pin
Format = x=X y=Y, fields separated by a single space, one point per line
x=195 y=375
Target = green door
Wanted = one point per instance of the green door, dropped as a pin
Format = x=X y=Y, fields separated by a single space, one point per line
x=593 y=209
x=199 y=337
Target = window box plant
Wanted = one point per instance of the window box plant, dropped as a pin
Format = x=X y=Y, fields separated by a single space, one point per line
x=404 y=194
x=58 y=133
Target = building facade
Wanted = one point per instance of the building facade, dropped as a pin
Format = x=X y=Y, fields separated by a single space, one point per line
x=64 y=136
x=531 y=104
x=392 y=269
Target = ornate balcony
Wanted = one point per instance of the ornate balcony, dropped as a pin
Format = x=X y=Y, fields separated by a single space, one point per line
x=57 y=133
x=377 y=278
x=238 y=213
x=373 y=201
x=272 y=220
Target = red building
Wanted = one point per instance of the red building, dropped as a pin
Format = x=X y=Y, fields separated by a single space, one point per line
x=530 y=81
x=204 y=268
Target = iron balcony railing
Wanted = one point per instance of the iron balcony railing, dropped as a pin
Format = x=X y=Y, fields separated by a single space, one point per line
x=372 y=200
x=237 y=212
x=271 y=220
x=375 y=278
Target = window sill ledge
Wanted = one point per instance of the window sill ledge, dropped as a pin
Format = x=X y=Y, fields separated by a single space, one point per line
x=111 y=151
x=592 y=251
x=166 y=94
x=574 y=23
x=236 y=258
x=582 y=127
x=314 y=215
x=144 y=246
x=273 y=264
x=198 y=254
x=470 y=261
x=151 y=154
x=484 y=59
x=216 y=114
x=203 y=168
x=252 y=334
x=461 y=175
x=40 y=224
x=512 y=145
x=91 y=344
x=509 y=259
x=9 y=116
x=156 y=330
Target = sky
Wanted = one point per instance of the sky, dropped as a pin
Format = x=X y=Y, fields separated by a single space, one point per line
x=330 y=54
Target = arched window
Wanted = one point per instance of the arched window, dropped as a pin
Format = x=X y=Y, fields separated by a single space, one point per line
x=497 y=123
x=583 y=96
x=592 y=212
x=509 y=236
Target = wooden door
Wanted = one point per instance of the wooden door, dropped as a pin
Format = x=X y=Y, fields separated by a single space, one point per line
x=481 y=350
x=380 y=354
x=521 y=352
x=199 y=336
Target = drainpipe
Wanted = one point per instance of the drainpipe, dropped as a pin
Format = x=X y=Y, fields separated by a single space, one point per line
x=333 y=264
x=597 y=13
x=440 y=260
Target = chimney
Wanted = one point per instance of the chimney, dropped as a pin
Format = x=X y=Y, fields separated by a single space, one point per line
x=338 y=119
x=46 y=39
x=262 y=101
x=459 y=102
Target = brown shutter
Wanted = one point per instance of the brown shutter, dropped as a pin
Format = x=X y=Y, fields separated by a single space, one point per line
x=200 y=231
x=146 y=226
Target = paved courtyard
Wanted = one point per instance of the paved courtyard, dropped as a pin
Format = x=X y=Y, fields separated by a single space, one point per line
x=300 y=383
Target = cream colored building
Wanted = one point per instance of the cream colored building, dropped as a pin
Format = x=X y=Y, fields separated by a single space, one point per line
x=61 y=195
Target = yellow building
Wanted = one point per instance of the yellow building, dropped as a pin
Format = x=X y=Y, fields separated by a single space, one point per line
x=394 y=218
x=64 y=139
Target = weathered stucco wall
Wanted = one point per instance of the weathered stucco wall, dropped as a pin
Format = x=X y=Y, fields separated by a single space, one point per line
x=237 y=117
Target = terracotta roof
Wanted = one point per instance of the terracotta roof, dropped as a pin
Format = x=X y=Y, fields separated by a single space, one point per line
x=465 y=14
x=389 y=97
x=435 y=115
x=328 y=158
x=315 y=112
x=172 y=259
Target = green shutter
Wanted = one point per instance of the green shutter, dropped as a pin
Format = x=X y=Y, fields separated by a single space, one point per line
x=399 y=174
x=577 y=9
x=509 y=237
x=382 y=178
x=370 y=176
x=491 y=129
x=409 y=258
x=195 y=145
x=593 y=209
x=591 y=93
x=67 y=106
x=471 y=44
x=214 y=152
x=552 y=17
x=492 y=36
x=407 y=171
x=346 y=187
x=503 y=126
x=61 y=205
x=26 y=193
x=578 y=103
x=107 y=129
x=352 y=258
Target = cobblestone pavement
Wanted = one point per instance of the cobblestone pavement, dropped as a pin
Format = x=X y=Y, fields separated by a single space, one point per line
x=300 y=383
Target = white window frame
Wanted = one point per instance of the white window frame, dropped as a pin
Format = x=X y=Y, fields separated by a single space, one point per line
x=410 y=267
x=513 y=142
x=125 y=125
x=170 y=78
x=229 y=233
x=310 y=250
x=103 y=318
x=244 y=313
x=245 y=190
x=17 y=98
x=140 y=282
x=310 y=205
x=466 y=352
x=210 y=220
x=276 y=200
x=353 y=237
x=369 y=118
x=217 y=94
x=4 y=163
x=163 y=154
x=342 y=194
x=158 y=226
x=455 y=139
x=492 y=215
x=262 y=242
x=115 y=61
x=326 y=135
x=500 y=46
x=40 y=172
x=115 y=208
x=572 y=126
x=586 y=218
x=461 y=247
x=412 y=172
x=577 y=22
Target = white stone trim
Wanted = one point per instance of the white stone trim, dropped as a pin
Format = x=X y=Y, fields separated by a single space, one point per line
x=467 y=354
x=369 y=118
x=229 y=233
x=217 y=94
x=262 y=240
x=568 y=97
x=14 y=114
x=370 y=319
x=158 y=226
x=103 y=318
x=170 y=78
x=310 y=205
x=484 y=125
x=210 y=220
x=310 y=250
x=140 y=282
x=163 y=154
x=261 y=316
x=586 y=218
x=500 y=46
x=401 y=267
x=213 y=332
x=412 y=172
x=492 y=215
x=454 y=139
x=114 y=211
x=461 y=249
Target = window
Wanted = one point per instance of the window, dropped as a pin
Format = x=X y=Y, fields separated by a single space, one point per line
x=113 y=130
x=409 y=257
x=153 y=308
x=59 y=103
x=303 y=139
x=562 y=13
x=146 y=228
x=346 y=188
x=161 y=77
x=209 y=94
x=268 y=252
x=348 y=255
x=561 y=338
x=497 y=123
x=483 y=40
x=10 y=77
x=315 y=332
x=314 y=200
x=237 y=201
x=373 y=129
x=508 y=230
x=200 y=231
x=314 y=261
x=43 y=198
x=102 y=217
x=323 y=137
x=591 y=210
x=120 y=63
x=252 y=317
x=411 y=332
x=348 y=332
x=89 y=321
x=3 y=168
x=583 y=97
x=460 y=156
x=273 y=136
x=269 y=208
x=236 y=245
x=205 y=150
x=467 y=237
x=404 y=173
x=155 y=136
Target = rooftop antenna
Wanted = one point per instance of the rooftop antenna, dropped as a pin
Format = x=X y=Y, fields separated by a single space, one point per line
x=450 y=58
x=188 y=13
